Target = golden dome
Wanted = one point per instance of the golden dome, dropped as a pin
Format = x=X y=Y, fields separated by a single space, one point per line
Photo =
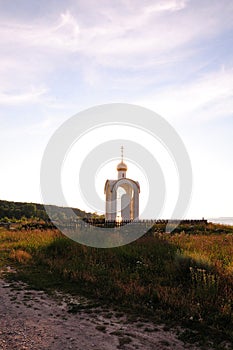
x=122 y=166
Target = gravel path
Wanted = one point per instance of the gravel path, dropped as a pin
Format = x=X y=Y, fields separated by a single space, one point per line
x=32 y=320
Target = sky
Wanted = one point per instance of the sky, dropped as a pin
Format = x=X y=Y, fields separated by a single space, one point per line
x=174 y=57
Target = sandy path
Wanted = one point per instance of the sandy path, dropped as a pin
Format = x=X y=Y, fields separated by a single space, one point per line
x=32 y=320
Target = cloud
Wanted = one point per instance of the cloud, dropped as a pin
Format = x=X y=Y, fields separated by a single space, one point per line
x=108 y=46
x=121 y=35
x=162 y=6
x=208 y=97
x=32 y=96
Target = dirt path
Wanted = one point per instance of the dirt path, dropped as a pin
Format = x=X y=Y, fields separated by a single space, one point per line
x=32 y=320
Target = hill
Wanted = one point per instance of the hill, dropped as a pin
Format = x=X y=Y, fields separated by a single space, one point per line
x=13 y=211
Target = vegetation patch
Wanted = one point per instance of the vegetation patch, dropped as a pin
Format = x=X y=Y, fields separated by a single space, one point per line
x=180 y=278
x=101 y=328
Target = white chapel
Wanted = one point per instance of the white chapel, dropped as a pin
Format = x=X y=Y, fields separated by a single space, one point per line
x=122 y=196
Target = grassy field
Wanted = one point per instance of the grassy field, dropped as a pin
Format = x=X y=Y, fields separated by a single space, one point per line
x=184 y=278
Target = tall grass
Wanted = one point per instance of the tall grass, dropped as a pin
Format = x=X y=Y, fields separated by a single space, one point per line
x=215 y=250
x=176 y=277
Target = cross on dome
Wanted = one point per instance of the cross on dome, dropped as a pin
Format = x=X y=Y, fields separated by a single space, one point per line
x=122 y=153
x=122 y=166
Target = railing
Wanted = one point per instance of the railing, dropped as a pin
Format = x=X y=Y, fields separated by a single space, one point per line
x=115 y=223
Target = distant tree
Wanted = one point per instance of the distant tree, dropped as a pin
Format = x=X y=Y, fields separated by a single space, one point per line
x=29 y=210
x=41 y=214
x=17 y=214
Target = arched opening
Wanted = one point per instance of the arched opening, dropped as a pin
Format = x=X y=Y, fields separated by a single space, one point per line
x=125 y=195
x=122 y=200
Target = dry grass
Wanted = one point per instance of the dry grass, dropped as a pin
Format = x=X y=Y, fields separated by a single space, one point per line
x=20 y=256
x=178 y=277
x=215 y=250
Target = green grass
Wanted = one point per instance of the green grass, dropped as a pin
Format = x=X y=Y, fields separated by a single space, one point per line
x=179 y=278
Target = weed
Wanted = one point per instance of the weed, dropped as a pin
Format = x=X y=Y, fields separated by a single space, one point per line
x=123 y=341
x=101 y=328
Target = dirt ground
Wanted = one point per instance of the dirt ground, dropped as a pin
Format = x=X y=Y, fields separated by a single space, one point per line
x=33 y=320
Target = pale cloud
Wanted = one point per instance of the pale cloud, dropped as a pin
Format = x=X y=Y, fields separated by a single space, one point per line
x=118 y=38
x=133 y=36
x=161 y=6
x=68 y=19
x=208 y=97
x=32 y=96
